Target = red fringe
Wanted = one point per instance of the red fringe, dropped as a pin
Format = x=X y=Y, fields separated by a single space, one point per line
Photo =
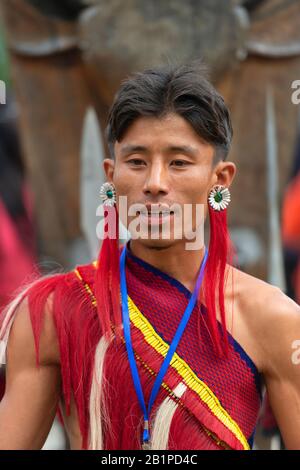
x=221 y=251
x=188 y=431
x=107 y=281
x=78 y=332
x=78 y=323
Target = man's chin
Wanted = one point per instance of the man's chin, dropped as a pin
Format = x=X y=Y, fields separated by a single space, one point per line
x=156 y=244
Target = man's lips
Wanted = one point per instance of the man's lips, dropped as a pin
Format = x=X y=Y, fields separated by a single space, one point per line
x=158 y=218
x=156 y=214
x=149 y=213
x=156 y=209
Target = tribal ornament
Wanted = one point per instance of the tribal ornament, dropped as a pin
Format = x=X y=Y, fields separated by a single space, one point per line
x=108 y=194
x=219 y=198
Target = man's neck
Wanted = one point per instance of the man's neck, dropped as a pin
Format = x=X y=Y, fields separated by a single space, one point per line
x=174 y=260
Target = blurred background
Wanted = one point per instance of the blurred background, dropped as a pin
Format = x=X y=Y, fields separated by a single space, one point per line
x=61 y=63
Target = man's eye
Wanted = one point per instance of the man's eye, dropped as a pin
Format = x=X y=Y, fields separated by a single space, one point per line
x=136 y=161
x=180 y=162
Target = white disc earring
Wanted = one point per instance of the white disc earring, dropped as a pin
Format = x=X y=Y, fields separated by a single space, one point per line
x=108 y=194
x=219 y=198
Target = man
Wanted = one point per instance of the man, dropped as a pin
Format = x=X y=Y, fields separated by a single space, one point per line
x=109 y=338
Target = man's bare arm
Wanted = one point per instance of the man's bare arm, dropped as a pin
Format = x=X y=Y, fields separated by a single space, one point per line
x=282 y=373
x=29 y=405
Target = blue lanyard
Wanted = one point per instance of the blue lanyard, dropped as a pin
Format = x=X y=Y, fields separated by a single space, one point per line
x=171 y=350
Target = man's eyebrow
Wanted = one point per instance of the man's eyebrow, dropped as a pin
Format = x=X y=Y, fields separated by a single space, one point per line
x=131 y=148
x=188 y=149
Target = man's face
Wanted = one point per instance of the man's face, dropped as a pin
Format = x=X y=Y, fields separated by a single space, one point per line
x=161 y=162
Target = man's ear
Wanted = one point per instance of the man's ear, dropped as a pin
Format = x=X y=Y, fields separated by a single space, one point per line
x=224 y=173
x=109 y=168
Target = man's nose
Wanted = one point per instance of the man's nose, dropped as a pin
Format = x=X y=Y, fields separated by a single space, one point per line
x=156 y=180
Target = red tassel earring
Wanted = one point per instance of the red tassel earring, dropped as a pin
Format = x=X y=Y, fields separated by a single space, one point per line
x=220 y=253
x=107 y=281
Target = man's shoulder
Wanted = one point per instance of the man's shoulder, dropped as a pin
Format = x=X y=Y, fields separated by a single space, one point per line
x=271 y=316
x=43 y=304
x=264 y=300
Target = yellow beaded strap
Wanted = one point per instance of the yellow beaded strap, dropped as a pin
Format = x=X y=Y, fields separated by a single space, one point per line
x=181 y=367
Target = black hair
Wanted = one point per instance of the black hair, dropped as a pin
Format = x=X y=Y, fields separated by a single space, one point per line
x=181 y=89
